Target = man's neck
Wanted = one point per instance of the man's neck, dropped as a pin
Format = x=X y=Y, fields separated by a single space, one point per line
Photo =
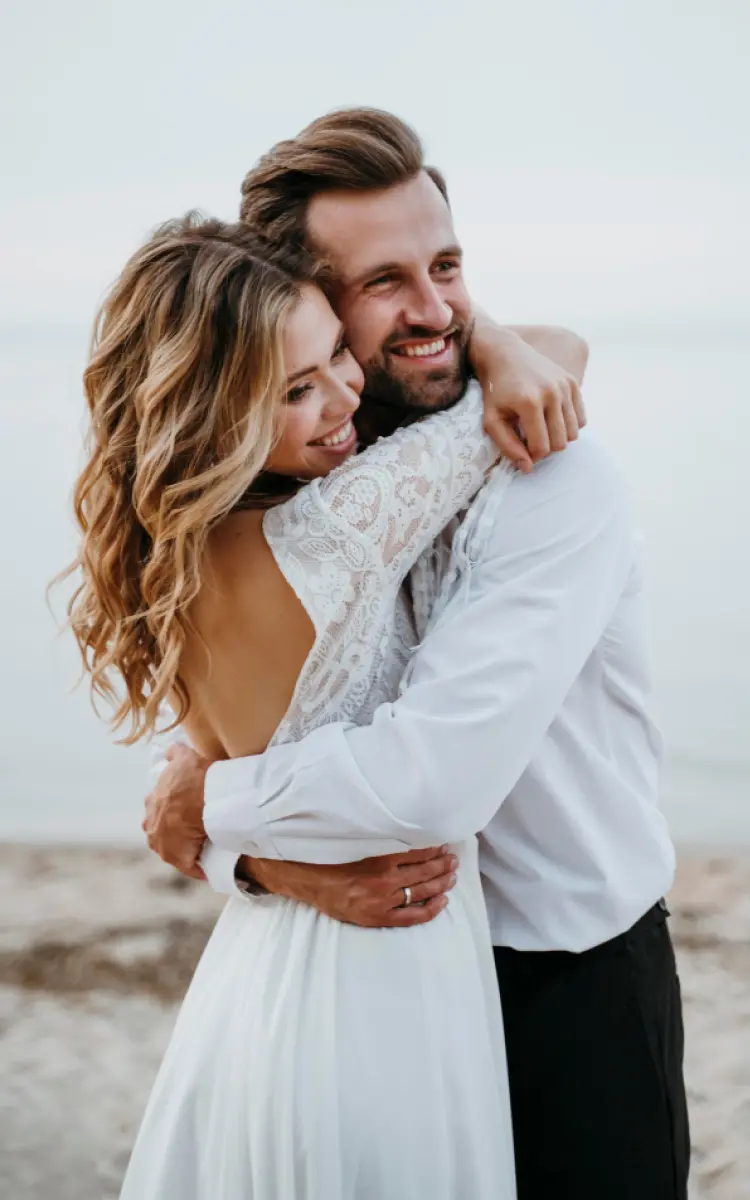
x=376 y=418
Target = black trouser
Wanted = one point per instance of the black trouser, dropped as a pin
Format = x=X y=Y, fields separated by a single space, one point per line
x=595 y=1046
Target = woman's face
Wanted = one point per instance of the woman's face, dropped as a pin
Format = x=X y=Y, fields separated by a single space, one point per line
x=323 y=386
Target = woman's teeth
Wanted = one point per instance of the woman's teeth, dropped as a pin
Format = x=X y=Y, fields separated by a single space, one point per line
x=335 y=439
x=423 y=349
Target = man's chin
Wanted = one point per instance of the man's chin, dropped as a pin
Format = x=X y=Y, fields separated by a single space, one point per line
x=439 y=389
x=408 y=390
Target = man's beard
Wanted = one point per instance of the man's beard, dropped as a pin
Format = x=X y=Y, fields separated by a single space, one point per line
x=390 y=399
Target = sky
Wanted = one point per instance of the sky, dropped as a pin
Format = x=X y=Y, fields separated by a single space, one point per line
x=598 y=157
x=598 y=152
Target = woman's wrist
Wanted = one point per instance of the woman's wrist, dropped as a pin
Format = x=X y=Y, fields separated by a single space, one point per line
x=491 y=347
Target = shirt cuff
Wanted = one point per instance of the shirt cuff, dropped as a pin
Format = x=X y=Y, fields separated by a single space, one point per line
x=218 y=866
x=232 y=817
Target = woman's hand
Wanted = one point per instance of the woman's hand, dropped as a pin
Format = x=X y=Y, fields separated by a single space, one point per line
x=533 y=405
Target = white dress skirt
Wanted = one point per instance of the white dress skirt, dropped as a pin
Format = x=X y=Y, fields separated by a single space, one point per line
x=314 y=1060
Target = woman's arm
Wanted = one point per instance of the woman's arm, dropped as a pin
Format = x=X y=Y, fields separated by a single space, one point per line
x=561 y=346
x=531 y=377
x=369 y=520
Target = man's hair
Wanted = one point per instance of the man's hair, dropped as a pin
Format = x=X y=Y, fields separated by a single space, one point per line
x=354 y=149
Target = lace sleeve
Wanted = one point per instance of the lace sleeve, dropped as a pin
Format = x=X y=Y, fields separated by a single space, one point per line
x=383 y=507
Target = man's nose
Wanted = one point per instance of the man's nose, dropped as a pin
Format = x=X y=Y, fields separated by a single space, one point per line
x=426 y=307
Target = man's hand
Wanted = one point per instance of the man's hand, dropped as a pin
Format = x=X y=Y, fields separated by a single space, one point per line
x=533 y=405
x=369 y=892
x=174 y=811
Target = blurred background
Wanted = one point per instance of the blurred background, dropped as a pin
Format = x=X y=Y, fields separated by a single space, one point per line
x=598 y=158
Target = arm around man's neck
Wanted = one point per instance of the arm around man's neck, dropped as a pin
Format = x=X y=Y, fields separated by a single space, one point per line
x=561 y=346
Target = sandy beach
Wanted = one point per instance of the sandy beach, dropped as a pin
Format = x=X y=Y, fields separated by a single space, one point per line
x=97 y=947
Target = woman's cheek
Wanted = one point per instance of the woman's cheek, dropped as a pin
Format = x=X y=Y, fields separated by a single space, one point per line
x=283 y=455
x=304 y=425
x=300 y=430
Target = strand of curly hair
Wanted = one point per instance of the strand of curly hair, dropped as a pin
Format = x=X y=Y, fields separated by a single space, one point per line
x=183 y=387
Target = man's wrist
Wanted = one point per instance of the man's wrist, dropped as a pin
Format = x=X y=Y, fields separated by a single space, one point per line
x=246 y=876
x=296 y=881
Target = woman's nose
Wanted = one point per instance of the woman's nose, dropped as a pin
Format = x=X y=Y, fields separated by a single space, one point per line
x=342 y=394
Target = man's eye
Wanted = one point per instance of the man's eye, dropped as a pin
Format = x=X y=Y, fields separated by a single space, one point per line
x=447 y=265
x=295 y=394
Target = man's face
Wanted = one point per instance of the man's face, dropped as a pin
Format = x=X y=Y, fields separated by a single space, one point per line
x=398 y=288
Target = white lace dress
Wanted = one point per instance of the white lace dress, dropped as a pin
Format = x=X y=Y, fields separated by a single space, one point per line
x=314 y=1060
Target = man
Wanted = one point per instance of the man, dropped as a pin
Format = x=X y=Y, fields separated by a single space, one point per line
x=524 y=716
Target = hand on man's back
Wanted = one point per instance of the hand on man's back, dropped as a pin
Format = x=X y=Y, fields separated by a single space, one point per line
x=173 y=823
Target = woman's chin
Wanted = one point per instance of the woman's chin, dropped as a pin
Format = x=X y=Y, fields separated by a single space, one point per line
x=321 y=461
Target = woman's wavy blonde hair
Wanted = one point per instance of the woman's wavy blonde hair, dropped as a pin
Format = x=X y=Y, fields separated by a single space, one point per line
x=184 y=384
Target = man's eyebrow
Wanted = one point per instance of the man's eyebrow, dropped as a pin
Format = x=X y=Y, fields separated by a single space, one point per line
x=311 y=370
x=374 y=271
x=453 y=251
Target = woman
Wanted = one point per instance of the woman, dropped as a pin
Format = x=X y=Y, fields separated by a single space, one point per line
x=240 y=564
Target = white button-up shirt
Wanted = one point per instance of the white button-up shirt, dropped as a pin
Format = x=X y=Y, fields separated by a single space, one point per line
x=525 y=720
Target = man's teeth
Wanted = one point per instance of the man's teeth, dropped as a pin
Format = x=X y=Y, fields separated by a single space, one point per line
x=424 y=349
x=335 y=439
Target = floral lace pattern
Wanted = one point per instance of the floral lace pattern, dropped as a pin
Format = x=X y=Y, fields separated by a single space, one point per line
x=345 y=544
x=441 y=576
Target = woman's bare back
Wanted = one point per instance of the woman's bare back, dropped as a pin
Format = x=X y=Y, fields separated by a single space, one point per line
x=256 y=636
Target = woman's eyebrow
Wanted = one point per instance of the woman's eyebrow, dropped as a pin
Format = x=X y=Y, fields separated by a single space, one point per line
x=311 y=370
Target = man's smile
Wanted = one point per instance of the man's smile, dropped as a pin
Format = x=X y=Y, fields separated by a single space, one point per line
x=435 y=351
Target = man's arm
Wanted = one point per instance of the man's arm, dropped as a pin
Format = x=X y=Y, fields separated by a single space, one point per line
x=369 y=891
x=486 y=684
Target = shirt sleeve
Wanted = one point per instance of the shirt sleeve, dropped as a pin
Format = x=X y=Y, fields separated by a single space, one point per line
x=484 y=688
